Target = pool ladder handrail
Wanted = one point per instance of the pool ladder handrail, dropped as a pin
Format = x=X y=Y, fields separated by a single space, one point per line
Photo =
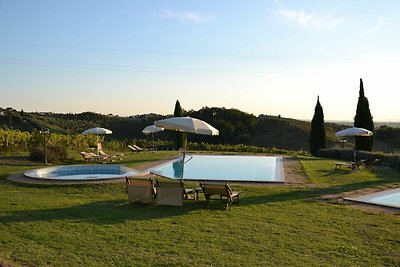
x=187 y=156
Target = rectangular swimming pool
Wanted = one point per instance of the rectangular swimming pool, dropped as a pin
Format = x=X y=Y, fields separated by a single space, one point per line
x=225 y=168
x=389 y=198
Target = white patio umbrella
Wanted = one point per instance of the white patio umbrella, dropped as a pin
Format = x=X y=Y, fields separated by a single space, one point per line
x=354 y=131
x=152 y=129
x=97 y=131
x=186 y=125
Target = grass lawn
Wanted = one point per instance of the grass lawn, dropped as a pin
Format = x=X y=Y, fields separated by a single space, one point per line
x=93 y=225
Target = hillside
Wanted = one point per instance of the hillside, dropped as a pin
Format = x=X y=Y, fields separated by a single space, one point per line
x=235 y=127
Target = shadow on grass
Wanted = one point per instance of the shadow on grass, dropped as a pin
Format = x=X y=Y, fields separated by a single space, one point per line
x=101 y=212
x=119 y=211
x=308 y=193
x=333 y=172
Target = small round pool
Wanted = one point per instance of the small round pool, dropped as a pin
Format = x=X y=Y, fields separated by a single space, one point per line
x=81 y=172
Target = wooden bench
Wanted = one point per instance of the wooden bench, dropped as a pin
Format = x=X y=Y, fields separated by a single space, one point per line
x=220 y=190
x=351 y=165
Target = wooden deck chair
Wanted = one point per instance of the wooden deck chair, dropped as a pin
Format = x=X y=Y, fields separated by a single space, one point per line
x=89 y=156
x=140 y=189
x=133 y=149
x=107 y=157
x=222 y=191
x=340 y=164
x=138 y=148
x=172 y=193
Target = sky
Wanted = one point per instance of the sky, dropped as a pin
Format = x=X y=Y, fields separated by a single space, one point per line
x=271 y=57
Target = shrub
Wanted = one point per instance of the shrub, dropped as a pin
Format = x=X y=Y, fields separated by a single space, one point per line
x=54 y=153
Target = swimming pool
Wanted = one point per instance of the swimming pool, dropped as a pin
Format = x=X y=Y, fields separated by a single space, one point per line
x=81 y=172
x=389 y=198
x=225 y=168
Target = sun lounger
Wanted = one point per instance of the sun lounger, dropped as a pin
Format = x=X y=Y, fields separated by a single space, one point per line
x=138 y=148
x=220 y=190
x=135 y=148
x=370 y=163
x=140 y=189
x=90 y=156
x=108 y=157
x=173 y=193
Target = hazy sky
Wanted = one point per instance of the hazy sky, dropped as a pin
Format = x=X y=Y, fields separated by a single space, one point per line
x=262 y=57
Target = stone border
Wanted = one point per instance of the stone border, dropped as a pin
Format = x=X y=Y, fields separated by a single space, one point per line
x=291 y=166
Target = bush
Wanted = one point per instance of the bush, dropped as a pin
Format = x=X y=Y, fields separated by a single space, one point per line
x=54 y=153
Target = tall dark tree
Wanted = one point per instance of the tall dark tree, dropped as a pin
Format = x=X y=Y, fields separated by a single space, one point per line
x=317 y=132
x=178 y=113
x=178 y=109
x=363 y=119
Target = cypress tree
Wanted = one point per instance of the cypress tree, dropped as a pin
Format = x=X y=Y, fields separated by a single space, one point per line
x=178 y=113
x=317 y=132
x=178 y=109
x=363 y=119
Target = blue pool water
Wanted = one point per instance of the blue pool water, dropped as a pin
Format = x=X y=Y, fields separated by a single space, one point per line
x=81 y=172
x=225 y=168
x=390 y=198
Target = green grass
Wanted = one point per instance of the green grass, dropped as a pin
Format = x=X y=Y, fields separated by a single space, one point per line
x=93 y=225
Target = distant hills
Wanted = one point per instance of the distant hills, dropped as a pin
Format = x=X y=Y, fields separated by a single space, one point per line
x=235 y=127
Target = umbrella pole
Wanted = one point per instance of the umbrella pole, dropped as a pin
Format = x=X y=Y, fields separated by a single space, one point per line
x=152 y=137
x=355 y=150
x=97 y=144
x=184 y=152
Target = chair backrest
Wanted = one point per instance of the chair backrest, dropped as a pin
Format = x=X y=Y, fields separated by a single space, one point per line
x=99 y=146
x=140 y=189
x=170 y=193
x=87 y=155
x=101 y=152
x=132 y=148
x=137 y=147
x=216 y=189
x=169 y=184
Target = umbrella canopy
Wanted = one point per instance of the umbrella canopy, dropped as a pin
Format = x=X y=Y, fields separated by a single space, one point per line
x=188 y=125
x=152 y=129
x=354 y=131
x=97 y=130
